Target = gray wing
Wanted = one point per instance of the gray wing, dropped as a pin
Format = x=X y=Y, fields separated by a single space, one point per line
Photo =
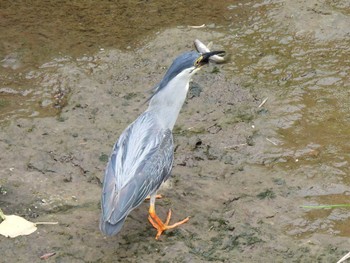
x=141 y=160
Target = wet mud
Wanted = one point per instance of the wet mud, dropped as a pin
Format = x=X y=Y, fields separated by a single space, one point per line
x=259 y=140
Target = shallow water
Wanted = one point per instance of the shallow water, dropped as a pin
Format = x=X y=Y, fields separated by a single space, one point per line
x=307 y=73
x=266 y=162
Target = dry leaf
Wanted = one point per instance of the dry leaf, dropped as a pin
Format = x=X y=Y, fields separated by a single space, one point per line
x=14 y=226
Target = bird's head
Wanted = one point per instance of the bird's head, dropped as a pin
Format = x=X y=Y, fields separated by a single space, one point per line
x=187 y=63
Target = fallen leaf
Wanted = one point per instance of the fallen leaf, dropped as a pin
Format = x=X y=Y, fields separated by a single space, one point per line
x=13 y=226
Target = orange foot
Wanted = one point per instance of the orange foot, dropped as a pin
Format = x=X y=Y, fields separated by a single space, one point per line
x=159 y=225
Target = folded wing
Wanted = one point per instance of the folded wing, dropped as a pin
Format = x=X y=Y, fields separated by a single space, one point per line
x=141 y=160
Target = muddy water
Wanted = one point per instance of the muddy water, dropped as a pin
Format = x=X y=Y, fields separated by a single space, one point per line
x=79 y=71
x=33 y=33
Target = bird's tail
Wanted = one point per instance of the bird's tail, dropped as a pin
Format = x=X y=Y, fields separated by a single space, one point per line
x=111 y=229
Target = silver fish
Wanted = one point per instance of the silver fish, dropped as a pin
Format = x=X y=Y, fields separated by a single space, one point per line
x=201 y=48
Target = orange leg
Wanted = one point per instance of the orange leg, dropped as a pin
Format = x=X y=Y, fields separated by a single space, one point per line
x=158 y=224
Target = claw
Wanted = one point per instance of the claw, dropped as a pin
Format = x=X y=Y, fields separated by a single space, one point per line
x=160 y=226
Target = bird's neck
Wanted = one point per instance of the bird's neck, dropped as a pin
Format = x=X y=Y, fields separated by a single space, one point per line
x=167 y=103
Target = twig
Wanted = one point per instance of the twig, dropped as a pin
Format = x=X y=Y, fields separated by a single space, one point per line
x=201 y=26
x=48 y=255
x=263 y=102
x=46 y=223
x=344 y=258
x=267 y=139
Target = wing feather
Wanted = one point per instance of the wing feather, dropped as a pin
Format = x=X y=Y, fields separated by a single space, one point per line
x=141 y=160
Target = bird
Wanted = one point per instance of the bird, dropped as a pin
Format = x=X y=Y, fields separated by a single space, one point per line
x=142 y=158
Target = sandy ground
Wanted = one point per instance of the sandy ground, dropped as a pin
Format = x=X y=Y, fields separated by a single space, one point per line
x=241 y=172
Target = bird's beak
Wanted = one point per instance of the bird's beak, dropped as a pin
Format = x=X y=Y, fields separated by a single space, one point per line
x=204 y=58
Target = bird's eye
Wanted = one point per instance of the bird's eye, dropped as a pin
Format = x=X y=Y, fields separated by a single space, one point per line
x=198 y=61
